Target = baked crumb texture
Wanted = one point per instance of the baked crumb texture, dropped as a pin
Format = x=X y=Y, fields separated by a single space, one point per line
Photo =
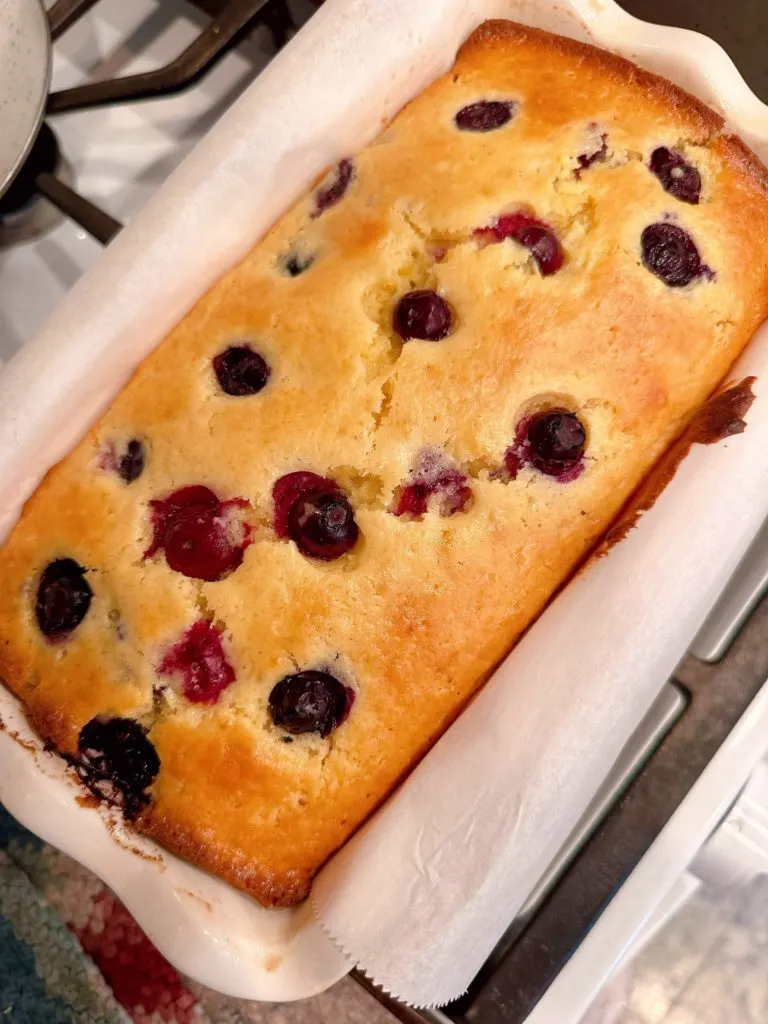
x=449 y=530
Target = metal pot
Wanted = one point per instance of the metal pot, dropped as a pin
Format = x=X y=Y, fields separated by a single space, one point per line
x=25 y=74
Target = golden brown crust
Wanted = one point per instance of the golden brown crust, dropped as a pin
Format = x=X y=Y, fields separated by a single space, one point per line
x=417 y=617
x=496 y=35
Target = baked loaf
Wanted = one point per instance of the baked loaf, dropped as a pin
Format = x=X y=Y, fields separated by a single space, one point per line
x=328 y=504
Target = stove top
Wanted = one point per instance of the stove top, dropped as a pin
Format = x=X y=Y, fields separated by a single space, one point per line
x=116 y=155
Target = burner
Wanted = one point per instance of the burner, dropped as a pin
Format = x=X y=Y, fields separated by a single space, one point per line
x=231 y=19
x=22 y=193
x=24 y=212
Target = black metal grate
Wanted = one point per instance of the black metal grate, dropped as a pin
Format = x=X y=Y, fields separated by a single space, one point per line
x=230 y=21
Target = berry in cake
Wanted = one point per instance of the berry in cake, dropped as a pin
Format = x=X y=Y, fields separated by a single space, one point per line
x=422 y=314
x=296 y=263
x=328 y=195
x=131 y=463
x=63 y=598
x=676 y=175
x=596 y=153
x=485 y=115
x=240 y=371
x=117 y=762
x=534 y=235
x=433 y=482
x=670 y=253
x=201 y=663
x=552 y=441
x=202 y=537
x=315 y=514
x=310 y=701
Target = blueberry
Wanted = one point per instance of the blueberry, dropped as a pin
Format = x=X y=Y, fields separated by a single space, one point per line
x=328 y=195
x=534 y=235
x=240 y=371
x=313 y=512
x=63 y=598
x=557 y=440
x=670 y=253
x=423 y=314
x=676 y=175
x=310 y=701
x=485 y=115
x=117 y=762
x=130 y=465
x=322 y=524
x=296 y=263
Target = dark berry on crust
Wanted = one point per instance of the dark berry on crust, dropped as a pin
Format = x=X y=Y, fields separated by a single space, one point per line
x=117 y=762
x=315 y=514
x=423 y=314
x=534 y=235
x=670 y=253
x=679 y=178
x=240 y=371
x=63 y=598
x=131 y=463
x=552 y=441
x=296 y=263
x=556 y=440
x=330 y=194
x=310 y=701
x=485 y=115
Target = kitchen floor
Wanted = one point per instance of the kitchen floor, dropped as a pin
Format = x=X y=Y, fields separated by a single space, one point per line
x=708 y=965
x=345 y=1003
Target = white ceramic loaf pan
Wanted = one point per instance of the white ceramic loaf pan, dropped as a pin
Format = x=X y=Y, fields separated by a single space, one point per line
x=326 y=94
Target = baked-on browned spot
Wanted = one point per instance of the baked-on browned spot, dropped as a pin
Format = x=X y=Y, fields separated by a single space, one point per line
x=720 y=417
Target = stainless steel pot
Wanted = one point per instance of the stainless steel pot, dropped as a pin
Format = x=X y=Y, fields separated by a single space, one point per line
x=25 y=73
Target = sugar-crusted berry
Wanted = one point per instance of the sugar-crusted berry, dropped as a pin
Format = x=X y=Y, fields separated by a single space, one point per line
x=433 y=481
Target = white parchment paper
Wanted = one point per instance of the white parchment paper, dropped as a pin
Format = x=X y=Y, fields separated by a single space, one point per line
x=420 y=896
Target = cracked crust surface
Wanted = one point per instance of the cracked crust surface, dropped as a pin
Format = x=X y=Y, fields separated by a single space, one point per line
x=416 y=618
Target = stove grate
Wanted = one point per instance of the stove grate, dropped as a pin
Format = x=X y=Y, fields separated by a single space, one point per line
x=230 y=21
